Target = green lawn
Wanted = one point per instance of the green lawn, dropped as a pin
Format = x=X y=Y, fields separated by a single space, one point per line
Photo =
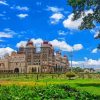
x=90 y=85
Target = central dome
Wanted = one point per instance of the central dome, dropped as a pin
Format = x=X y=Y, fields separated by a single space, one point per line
x=29 y=43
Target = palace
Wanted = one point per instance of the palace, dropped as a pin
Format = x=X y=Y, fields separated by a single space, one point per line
x=30 y=60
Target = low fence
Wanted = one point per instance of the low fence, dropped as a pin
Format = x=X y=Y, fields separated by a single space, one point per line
x=34 y=76
x=37 y=76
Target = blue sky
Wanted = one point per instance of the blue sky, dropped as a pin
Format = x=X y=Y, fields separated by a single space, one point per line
x=49 y=20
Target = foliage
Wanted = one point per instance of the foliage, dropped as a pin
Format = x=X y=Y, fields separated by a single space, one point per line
x=98 y=46
x=70 y=75
x=77 y=69
x=52 y=92
x=80 y=6
x=91 y=19
x=31 y=80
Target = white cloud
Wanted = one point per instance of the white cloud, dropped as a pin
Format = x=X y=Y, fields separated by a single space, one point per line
x=6 y=50
x=35 y=41
x=22 y=8
x=60 y=32
x=93 y=62
x=57 y=44
x=77 y=47
x=22 y=15
x=23 y=43
x=76 y=62
x=94 y=50
x=61 y=44
x=55 y=9
x=61 y=38
x=96 y=34
x=5 y=35
x=70 y=24
x=56 y=17
x=3 y=3
x=66 y=47
x=88 y=63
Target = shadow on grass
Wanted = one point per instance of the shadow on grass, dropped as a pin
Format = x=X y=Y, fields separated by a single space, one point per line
x=89 y=84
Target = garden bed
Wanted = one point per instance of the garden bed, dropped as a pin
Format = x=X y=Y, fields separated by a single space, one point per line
x=50 y=92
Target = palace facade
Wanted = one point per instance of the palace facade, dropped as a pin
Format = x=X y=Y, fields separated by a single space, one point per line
x=29 y=60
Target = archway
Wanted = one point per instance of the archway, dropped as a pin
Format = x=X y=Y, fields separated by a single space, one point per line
x=16 y=70
x=33 y=70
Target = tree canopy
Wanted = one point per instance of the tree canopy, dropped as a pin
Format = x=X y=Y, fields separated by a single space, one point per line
x=91 y=19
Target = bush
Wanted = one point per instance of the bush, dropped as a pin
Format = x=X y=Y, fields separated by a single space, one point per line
x=70 y=75
x=51 y=92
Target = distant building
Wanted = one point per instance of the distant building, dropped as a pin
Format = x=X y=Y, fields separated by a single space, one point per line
x=4 y=65
x=97 y=70
x=27 y=59
x=89 y=70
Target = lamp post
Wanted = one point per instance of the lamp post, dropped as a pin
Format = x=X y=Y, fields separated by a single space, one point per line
x=71 y=58
x=83 y=65
x=60 y=59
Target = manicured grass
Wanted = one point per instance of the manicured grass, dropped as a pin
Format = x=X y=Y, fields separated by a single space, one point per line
x=90 y=85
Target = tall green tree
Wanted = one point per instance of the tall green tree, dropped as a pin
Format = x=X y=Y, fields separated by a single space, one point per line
x=90 y=20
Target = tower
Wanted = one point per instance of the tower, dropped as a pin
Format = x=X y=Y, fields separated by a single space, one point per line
x=29 y=52
x=47 y=53
x=21 y=50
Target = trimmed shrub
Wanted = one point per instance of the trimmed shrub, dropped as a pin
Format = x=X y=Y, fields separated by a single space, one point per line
x=70 y=75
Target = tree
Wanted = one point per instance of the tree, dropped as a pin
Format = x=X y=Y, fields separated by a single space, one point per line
x=98 y=37
x=90 y=20
x=78 y=69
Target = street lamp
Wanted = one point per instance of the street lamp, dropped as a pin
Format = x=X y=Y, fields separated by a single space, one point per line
x=60 y=59
x=71 y=58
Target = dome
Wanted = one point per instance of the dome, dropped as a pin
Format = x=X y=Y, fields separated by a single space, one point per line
x=13 y=53
x=22 y=46
x=29 y=43
x=50 y=44
x=65 y=56
x=45 y=42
